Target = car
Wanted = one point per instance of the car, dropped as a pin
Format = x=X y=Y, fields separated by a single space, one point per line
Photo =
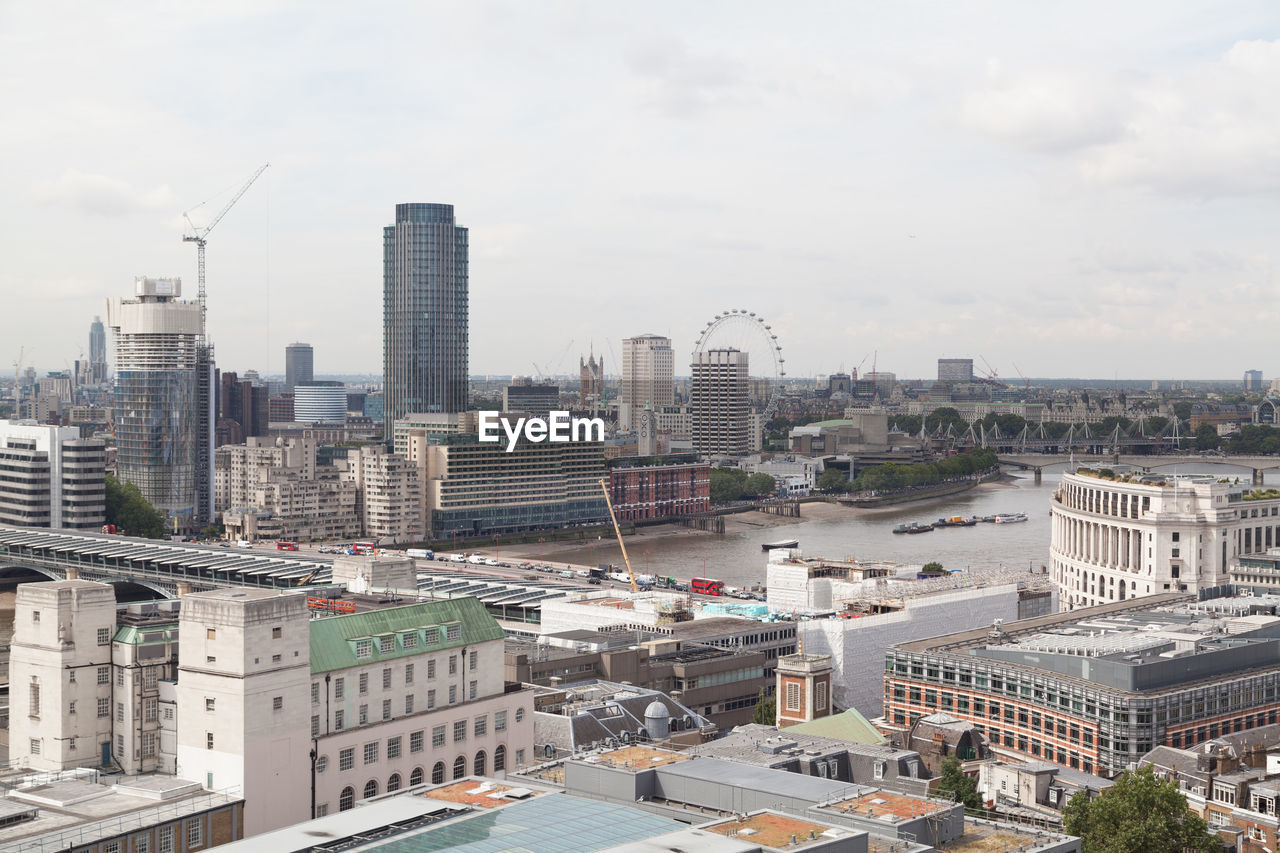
x=594 y=581
x=457 y=558
x=526 y=565
x=566 y=574
x=583 y=573
x=504 y=565
x=476 y=559
x=492 y=562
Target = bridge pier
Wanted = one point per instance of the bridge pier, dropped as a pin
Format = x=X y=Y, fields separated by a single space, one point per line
x=1257 y=476
x=1039 y=474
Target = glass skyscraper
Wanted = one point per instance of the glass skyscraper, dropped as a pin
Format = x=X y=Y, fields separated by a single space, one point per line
x=424 y=308
x=299 y=365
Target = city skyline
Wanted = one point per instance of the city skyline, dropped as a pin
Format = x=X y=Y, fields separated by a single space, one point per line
x=1010 y=184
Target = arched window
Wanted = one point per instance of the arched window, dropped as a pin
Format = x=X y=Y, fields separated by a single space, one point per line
x=459 y=767
x=415 y=778
x=347 y=798
x=499 y=758
x=519 y=715
x=437 y=773
x=393 y=784
x=370 y=788
x=481 y=761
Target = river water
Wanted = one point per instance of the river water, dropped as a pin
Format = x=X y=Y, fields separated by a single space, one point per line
x=737 y=559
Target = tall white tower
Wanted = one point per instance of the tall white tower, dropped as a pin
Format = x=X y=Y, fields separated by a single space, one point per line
x=243 y=691
x=648 y=377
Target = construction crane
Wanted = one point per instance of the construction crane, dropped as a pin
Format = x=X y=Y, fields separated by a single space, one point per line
x=199 y=237
x=604 y=486
x=1024 y=378
x=17 y=383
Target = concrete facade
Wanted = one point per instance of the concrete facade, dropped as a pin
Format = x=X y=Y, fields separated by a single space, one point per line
x=718 y=398
x=51 y=477
x=648 y=377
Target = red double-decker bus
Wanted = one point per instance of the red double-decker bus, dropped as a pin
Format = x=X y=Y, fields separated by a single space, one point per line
x=286 y=546
x=706 y=586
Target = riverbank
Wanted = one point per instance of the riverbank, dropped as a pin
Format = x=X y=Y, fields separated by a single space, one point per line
x=922 y=493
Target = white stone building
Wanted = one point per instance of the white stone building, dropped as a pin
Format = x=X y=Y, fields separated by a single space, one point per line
x=51 y=477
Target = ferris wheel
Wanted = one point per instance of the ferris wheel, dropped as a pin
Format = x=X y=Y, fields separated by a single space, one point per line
x=747 y=331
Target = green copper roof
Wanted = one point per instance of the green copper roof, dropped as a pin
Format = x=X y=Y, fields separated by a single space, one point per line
x=339 y=642
x=848 y=726
x=135 y=636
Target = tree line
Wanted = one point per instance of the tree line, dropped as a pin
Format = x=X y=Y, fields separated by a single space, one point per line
x=729 y=485
x=891 y=476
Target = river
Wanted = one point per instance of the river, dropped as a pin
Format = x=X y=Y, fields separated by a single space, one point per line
x=737 y=559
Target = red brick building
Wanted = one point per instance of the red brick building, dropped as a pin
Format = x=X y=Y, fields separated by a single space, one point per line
x=662 y=490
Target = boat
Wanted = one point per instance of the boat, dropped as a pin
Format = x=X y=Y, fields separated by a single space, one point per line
x=784 y=543
x=956 y=521
x=913 y=527
x=1010 y=517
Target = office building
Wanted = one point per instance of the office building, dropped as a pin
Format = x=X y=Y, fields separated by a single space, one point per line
x=319 y=402
x=718 y=399
x=388 y=494
x=299 y=364
x=51 y=477
x=1253 y=381
x=1120 y=535
x=669 y=489
x=280 y=409
x=955 y=370
x=534 y=398
x=425 y=319
x=277 y=489
x=163 y=400
x=97 y=351
x=648 y=377
x=1098 y=688
x=242 y=409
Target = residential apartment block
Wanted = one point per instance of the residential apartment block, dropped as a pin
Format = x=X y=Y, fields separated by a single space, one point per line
x=275 y=489
x=51 y=477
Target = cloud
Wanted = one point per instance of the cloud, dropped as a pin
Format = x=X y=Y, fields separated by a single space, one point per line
x=1048 y=112
x=682 y=83
x=100 y=195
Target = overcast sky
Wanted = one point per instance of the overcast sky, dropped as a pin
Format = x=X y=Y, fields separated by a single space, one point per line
x=1080 y=189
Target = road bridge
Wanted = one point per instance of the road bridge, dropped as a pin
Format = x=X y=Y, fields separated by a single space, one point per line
x=1037 y=462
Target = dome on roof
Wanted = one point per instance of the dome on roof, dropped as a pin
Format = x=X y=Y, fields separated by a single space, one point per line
x=656 y=709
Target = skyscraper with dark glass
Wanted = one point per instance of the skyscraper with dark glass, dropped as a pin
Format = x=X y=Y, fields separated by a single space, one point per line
x=299 y=365
x=424 y=311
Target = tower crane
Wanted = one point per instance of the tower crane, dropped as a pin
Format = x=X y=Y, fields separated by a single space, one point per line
x=17 y=383
x=199 y=237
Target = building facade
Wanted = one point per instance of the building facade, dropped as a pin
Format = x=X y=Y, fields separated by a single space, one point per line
x=1124 y=536
x=648 y=377
x=590 y=382
x=319 y=402
x=299 y=365
x=425 y=311
x=955 y=370
x=51 y=477
x=538 y=399
x=97 y=351
x=162 y=375
x=664 y=490
x=719 y=402
x=276 y=488
x=388 y=494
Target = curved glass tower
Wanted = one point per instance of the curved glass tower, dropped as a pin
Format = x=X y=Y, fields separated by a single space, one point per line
x=424 y=306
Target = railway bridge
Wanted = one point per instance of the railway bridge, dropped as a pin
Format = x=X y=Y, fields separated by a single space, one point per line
x=1037 y=462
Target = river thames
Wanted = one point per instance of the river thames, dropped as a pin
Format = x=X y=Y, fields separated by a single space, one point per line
x=737 y=559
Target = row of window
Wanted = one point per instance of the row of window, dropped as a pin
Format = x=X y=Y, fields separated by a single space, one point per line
x=479 y=767
x=439 y=734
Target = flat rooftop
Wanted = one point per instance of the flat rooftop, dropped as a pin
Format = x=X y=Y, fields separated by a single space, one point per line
x=480 y=793
x=637 y=757
x=771 y=829
x=982 y=837
x=888 y=806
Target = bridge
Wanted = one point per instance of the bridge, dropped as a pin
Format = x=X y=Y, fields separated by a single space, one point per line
x=28 y=553
x=1037 y=462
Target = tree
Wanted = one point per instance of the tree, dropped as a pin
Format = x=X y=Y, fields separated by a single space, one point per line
x=766 y=710
x=1207 y=437
x=128 y=510
x=759 y=484
x=833 y=480
x=727 y=485
x=953 y=781
x=934 y=568
x=1140 y=813
x=943 y=417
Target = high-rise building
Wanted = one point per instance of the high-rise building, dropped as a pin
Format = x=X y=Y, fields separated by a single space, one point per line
x=242 y=409
x=424 y=310
x=955 y=370
x=320 y=402
x=718 y=398
x=648 y=377
x=299 y=364
x=97 y=351
x=591 y=381
x=535 y=398
x=163 y=398
x=1253 y=380
x=51 y=477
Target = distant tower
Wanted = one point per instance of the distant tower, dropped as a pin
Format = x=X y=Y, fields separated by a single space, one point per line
x=164 y=400
x=243 y=699
x=647 y=433
x=97 y=351
x=299 y=363
x=719 y=395
x=648 y=376
x=591 y=382
x=804 y=688
x=424 y=310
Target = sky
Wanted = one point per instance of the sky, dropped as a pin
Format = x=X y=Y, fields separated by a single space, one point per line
x=1054 y=188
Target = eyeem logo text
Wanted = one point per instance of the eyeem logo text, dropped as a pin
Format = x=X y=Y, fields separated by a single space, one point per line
x=559 y=428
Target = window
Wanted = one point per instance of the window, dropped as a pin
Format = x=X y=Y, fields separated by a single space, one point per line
x=410 y=641
x=277 y=632
x=35 y=615
x=104 y=636
x=459 y=731
x=480 y=764
x=393 y=784
x=119 y=678
x=387 y=645
x=71 y=676
x=386 y=678
x=347 y=758
x=104 y=675
x=408 y=703
x=322 y=809
x=393 y=748
x=453 y=664
x=339 y=721
x=142 y=844
x=149 y=678
x=119 y=745
x=364 y=649
x=346 y=799
x=370 y=789
x=150 y=709
x=211 y=633
x=33 y=700
x=471 y=690
x=437 y=774
x=519 y=715
x=499 y=722
x=322 y=764
x=481 y=726
x=315 y=725
x=408 y=673
x=34 y=746
x=459 y=767
x=71 y=707
x=274 y=659
x=208 y=703
x=453 y=632
x=453 y=694
x=277 y=703
x=431 y=699
x=371 y=753
x=415 y=741
x=820 y=696
x=210 y=659
x=793 y=696
x=437 y=737
x=364 y=714
x=208 y=740
x=148 y=744
x=166 y=839
x=519 y=758
x=339 y=688
x=386 y=709
x=364 y=683
x=104 y=707
x=878 y=770
x=472 y=664
x=431 y=669
x=499 y=758
x=119 y=712
x=315 y=693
